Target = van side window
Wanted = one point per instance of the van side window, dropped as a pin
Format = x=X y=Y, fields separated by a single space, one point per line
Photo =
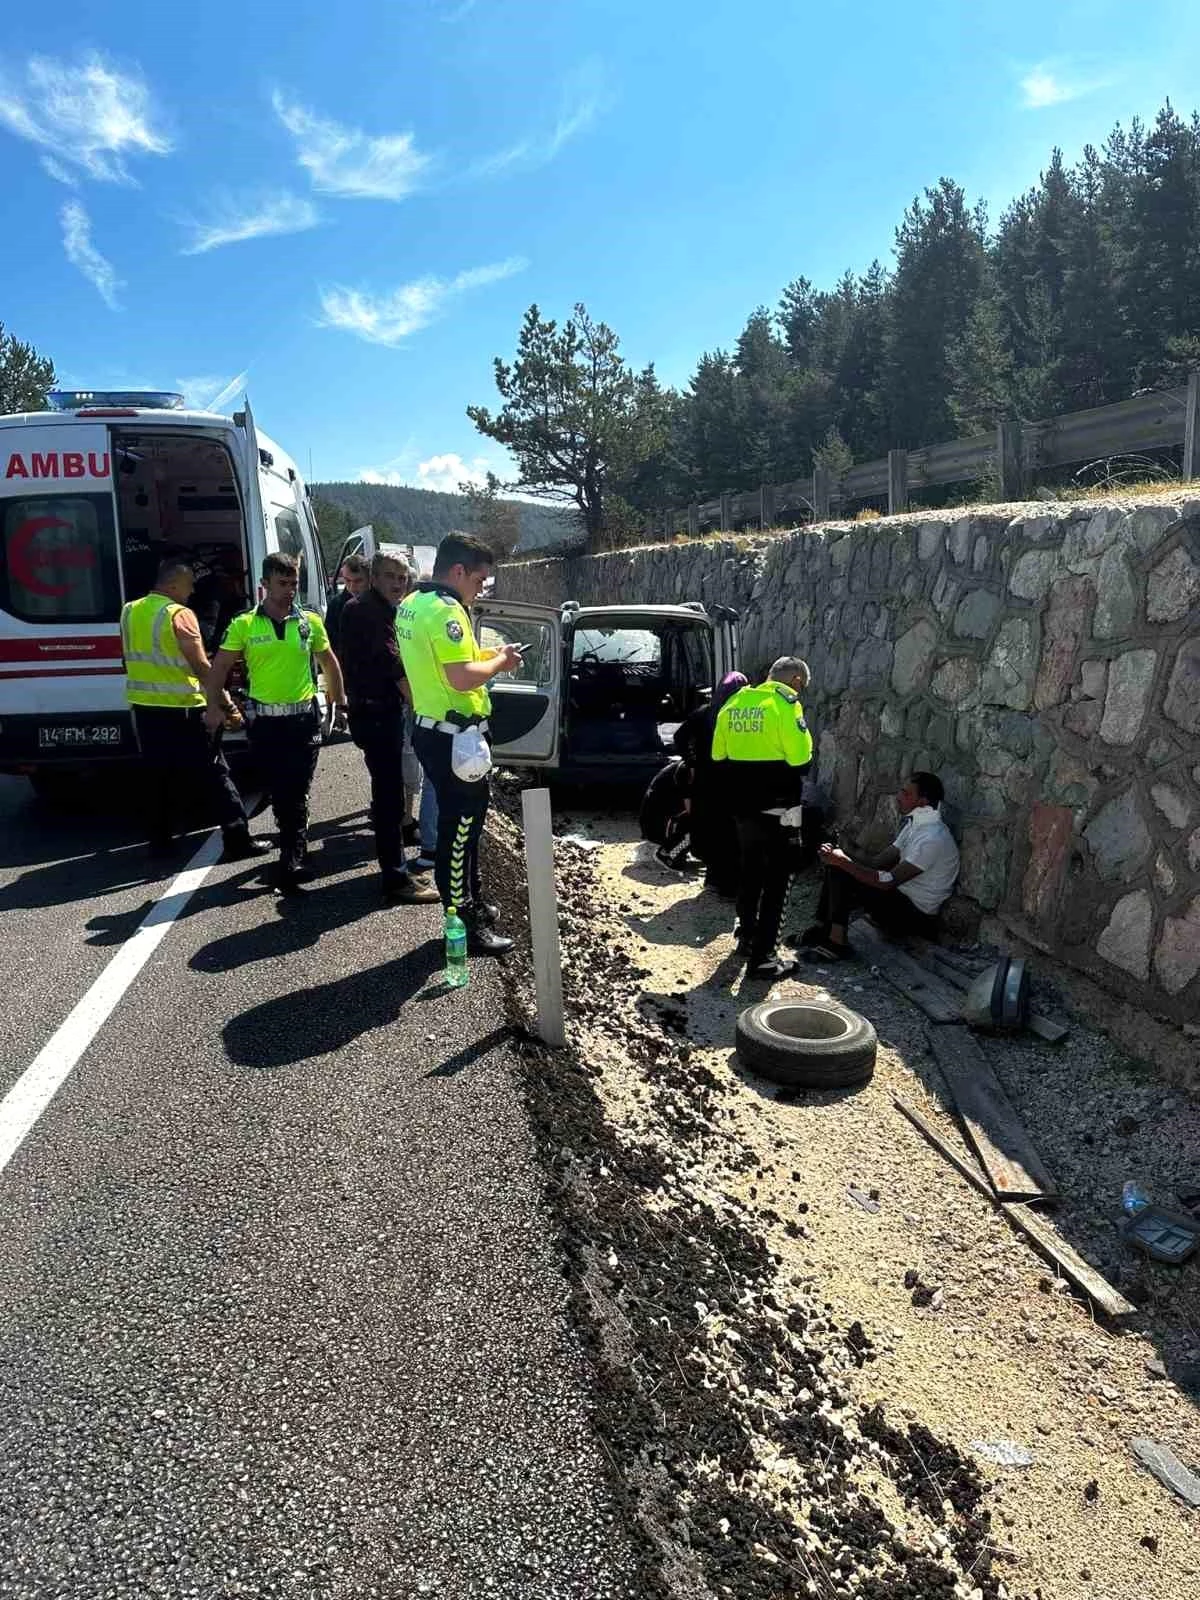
x=58 y=559
x=291 y=543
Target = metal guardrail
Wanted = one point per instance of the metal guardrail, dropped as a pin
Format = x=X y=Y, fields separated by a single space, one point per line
x=1015 y=452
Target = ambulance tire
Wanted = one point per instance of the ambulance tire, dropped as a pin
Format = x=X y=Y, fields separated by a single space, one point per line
x=807 y=1044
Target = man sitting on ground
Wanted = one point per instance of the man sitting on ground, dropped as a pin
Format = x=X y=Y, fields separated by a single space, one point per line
x=902 y=888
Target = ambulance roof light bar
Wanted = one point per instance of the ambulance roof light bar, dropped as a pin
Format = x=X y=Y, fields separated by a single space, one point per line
x=88 y=400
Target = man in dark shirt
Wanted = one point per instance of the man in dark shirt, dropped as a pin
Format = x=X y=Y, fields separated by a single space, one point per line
x=356 y=578
x=375 y=685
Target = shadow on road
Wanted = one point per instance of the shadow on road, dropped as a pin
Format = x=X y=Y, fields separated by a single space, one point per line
x=329 y=1016
x=475 y=1051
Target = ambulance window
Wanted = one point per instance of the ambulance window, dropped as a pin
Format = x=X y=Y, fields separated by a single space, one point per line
x=291 y=542
x=58 y=559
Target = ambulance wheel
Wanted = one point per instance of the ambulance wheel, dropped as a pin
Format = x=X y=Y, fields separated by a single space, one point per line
x=807 y=1044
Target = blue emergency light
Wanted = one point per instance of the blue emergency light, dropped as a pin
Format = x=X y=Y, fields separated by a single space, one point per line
x=139 y=399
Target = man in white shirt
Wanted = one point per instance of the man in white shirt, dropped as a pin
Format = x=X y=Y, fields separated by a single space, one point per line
x=902 y=888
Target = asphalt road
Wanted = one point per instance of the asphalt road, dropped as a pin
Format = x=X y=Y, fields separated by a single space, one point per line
x=280 y=1310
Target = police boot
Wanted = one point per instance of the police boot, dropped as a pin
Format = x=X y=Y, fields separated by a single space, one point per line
x=483 y=940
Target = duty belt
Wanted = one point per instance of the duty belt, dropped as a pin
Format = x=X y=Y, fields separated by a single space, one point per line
x=452 y=727
x=291 y=709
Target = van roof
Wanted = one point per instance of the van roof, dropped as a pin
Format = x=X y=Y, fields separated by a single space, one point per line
x=680 y=613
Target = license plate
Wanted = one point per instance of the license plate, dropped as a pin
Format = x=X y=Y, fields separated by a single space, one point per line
x=65 y=736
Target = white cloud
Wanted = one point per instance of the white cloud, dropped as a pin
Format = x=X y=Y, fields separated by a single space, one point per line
x=86 y=115
x=583 y=99
x=1042 y=87
x=346 y=161
x=439 y=472
x=82 y=253
x=391 y=318
x=209 y=393
x=256 y=217
x=59 y=173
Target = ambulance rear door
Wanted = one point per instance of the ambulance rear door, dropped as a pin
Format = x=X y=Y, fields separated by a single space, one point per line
x=62 y=687
x=526 y=715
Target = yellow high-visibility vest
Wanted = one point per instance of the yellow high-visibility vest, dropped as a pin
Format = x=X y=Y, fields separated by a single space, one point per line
x=156 y=673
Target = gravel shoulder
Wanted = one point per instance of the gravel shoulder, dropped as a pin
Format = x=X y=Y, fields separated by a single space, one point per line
x=773 y=1390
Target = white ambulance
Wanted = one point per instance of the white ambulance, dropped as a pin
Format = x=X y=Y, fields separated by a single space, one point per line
x=93 y=495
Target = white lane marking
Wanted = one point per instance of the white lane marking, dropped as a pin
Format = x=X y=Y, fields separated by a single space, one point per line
x=54 y=1063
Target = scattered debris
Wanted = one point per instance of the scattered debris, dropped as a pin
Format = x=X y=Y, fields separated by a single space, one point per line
x=1169 y=1236
x=580 y=841
x=1091 y=1491
x=1045 y=1027
x=1003 y=1452
x=1166 y=1466
x=868 y=1202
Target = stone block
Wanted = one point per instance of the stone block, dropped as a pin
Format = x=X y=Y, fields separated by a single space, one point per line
x=1173 y=587
x=931 y=540
x=1093 y=679
x=1088 y=537
x=1193 y=851
x=891 y=721
x=901 y=554
x=1176 y=807
x=981 y=554
x=1164 y=875
x=1130 y=678
x=1125 y=941
x=912 y=587
x=1069 y=782
x=977 y=611
x=940 y=731
x=945 y=595
x=1008 y=678
x=984 y=865
x=1182 y=703
x=1083 y=719
x=1118 y=838
x=841 y=552
x=881 y=555
x=1177 y=959
x=870 y=664
x=956 y=681
x=1032 y=574
x=1148 y=524
x=960 y=540
x=1116 y=596
x=914 y=658
x=1034 y=529
x=1066 y=625
x=1050 y=828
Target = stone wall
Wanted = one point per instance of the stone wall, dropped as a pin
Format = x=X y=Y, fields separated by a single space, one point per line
x=1046 y=665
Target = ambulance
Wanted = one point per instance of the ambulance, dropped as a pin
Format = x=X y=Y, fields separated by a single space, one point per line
x=94 y=493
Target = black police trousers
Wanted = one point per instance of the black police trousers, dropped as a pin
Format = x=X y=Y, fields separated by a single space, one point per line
x=285 y=752
x=767 y=852
x=461 y=810
x=378 y=731
x=182 y=763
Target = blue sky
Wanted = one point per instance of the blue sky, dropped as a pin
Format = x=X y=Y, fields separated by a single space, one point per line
x=347 y=210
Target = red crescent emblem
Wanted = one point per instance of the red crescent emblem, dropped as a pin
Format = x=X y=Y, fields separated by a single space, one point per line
x=20 y=549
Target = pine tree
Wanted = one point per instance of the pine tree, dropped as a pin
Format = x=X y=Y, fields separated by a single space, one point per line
x=26 y=378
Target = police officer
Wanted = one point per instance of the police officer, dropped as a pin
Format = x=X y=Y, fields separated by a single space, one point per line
x=448 y=675
x=762 y=748
x=166 y=671
x=279 y=643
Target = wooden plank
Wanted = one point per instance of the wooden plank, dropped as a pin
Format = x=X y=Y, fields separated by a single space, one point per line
x=994 y=1130
x=897 y=474
x=1191 y=432
x=1036 y=1229
x=937 y=999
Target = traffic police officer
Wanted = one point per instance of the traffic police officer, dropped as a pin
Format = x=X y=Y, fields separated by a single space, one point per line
x=166 y=670
x=762 y=748
x=279 y=643
x=448 y=675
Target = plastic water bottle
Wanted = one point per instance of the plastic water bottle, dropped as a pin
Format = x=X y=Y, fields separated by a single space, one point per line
x=1134 y=1197
x=457 y=973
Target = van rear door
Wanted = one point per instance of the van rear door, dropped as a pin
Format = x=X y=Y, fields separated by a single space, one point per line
x=61 y=683
x=526 y=714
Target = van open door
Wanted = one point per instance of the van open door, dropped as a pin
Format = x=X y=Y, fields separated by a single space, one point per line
x=526 y=715
x=725 y=640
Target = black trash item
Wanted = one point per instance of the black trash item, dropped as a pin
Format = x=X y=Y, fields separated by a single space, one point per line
x=1169 y=1236
x=807 y=1044
x=999 y=997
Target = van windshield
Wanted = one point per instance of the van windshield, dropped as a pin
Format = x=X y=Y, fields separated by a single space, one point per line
x=58 y=559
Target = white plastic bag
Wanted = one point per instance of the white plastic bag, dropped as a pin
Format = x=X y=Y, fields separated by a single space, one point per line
x=470 y=757
x=792 y=817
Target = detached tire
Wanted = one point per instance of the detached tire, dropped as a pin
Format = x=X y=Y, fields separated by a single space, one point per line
x=807 y=1044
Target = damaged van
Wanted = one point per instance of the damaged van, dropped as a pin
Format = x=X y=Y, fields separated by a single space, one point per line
x=93 y=495
x=601 y=689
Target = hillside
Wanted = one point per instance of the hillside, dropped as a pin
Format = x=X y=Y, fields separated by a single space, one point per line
x=421 y=516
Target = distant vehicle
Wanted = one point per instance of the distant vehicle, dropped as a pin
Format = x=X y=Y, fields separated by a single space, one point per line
x=362 y=542
x=93 y=495
x=601 y=689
